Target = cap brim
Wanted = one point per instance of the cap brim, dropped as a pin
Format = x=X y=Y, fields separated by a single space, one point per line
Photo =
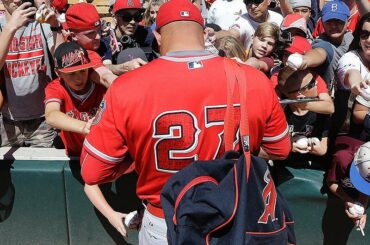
x=337 y=16
x=357 y=181
x=76 y=68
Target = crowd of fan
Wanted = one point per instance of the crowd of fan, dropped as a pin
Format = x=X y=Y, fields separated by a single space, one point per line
x=316 y=54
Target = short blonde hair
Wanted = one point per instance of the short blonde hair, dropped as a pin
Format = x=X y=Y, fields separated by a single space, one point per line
x=232 y=47
x=267 y=29
x=147 y=20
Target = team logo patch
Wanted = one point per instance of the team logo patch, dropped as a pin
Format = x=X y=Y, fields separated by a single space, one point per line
x=195 y=65
x=184 y=13
x=99 y=113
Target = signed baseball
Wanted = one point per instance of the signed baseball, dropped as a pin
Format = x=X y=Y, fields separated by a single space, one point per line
x=294 y=61
x=301 y=141
x=357 y=209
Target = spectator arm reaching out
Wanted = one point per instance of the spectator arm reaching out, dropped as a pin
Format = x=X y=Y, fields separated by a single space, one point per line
x=57 y=119
x=363 y=6
x=285 y=7
x=354 y=81
x=359 y=113
x=313 y=58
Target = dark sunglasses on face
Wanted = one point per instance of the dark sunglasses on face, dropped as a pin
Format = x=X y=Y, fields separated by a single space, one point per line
x=364 y=34
x=250 y=2
x=127 y=17
x=308 y=86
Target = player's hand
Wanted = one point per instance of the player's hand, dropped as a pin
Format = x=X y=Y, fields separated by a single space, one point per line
x=133 y=64
x=116 y=219
x=86 y=128
x=21 y=16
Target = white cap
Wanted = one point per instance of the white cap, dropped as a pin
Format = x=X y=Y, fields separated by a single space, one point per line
x=300 y=3
x=360 y=169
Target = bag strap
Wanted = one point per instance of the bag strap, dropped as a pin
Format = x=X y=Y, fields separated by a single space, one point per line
x=236 y=79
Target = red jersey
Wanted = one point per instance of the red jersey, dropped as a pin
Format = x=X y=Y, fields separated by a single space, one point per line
x=79 y=108
x=170 y=113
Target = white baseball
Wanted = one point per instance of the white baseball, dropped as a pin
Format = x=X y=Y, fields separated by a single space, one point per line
x=129 y=218
x=357 y=209
x=302 y=142
x=294 y=61
x=365 y=93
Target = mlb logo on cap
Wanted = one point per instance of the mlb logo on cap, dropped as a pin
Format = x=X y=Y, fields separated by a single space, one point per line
x=184 y=13
x=178 y=10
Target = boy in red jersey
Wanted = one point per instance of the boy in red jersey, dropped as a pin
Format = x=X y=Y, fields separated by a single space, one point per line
x=72 y=100
x=172 y=114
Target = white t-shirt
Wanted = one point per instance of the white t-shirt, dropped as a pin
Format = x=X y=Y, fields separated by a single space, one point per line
x=246 y=26
x=224 y=13
x=348 y=61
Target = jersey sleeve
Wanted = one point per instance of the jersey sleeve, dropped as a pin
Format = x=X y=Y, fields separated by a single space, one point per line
x=53 y=92
x=276 y=140
x=105 y=148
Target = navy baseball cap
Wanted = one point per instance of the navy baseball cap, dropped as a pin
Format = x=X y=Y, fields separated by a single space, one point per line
x=359 y=173
x=335 y=10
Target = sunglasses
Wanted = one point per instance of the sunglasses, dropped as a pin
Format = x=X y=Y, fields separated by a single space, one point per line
x=308 y=86
x=364 y=34
x=127 y=17
x=250 y=2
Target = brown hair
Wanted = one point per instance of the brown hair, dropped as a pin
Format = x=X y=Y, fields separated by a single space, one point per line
x=267 y=29
x=147 y=20
x=232 y=47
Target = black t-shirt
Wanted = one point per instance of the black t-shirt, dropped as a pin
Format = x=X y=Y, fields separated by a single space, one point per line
x=311 y=124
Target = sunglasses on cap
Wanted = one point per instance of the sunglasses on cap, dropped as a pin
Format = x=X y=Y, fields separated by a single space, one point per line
x=250 y=2
x=308 y=86
x=364 y=34
x=127 y=17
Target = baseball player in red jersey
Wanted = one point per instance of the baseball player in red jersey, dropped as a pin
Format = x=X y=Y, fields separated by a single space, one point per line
x=170 y=113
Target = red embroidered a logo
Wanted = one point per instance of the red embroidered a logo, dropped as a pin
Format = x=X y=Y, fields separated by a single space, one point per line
x=269 y=196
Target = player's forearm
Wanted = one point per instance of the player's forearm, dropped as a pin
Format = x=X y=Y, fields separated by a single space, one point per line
x=102 y=75
x=59 y=120
x=6 y=37
x=97 y=198
x=276 y=150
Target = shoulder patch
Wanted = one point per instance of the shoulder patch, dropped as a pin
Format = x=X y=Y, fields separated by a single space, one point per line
x=99 y=113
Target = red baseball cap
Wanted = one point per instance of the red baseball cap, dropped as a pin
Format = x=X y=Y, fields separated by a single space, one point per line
x=59 y=5
x=294 y=21
x=82 y=17
x=178 y=10
x=299 y=45
x=126 y=4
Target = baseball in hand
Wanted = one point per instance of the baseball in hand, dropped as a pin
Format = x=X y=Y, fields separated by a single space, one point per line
x=302 y=142
x=365 y=93
x=295 y=61
x=39 y=16
x=130 y=218
x=357 y=209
